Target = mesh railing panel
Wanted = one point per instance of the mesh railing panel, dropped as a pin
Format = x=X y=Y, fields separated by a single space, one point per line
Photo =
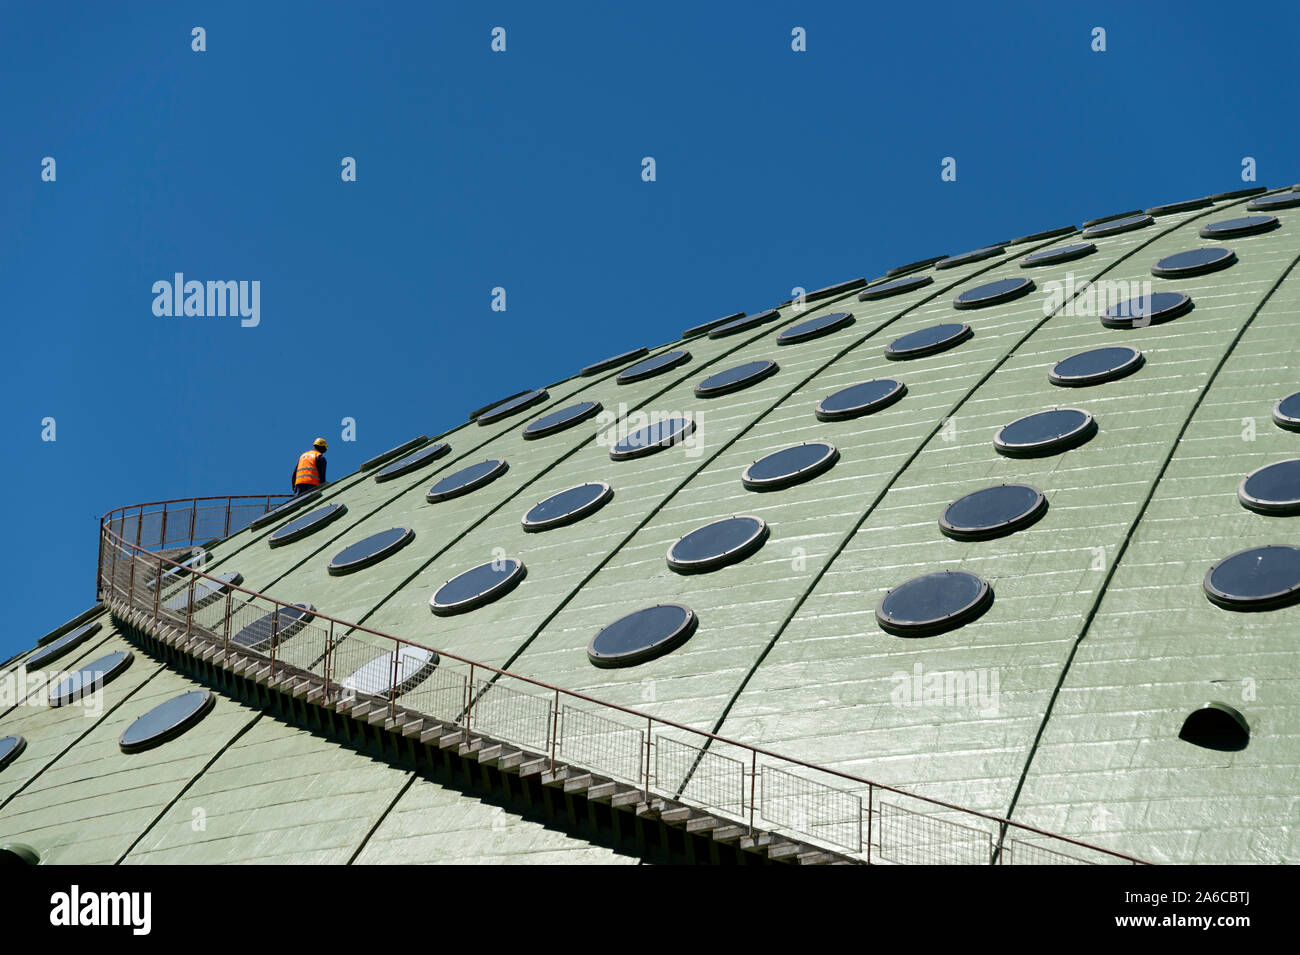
x=511 y=715
x=919 y=838
x=698 y=775
x=600 y=744
x=811 y=808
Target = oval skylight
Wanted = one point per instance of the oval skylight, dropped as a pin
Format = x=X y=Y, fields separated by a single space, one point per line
x=1272 y=489
x=1259 y=578
x=697 y=330
x=1216 y=726
x=994 y=293
x=652 y=438
x=934 y=603
x=1147 y=310
x=559 y=420
x=568 y=506
x=1194 y=262
x=993 y=512
x=1234 y=228
x=1115 y=226
x=928 y=341
x=790 y=466
x=1187 y=205
x=1113 y=217
x=413 y=462
x=743 y=324
x=642 y=635
x=1280 y=200
x=396 y=452
x=653 y=366
x=1286 y=413
x=864 y=398
x=896 y=287
x=1047 y=432
x=11 y=747
x=614 y=362
x=1096 y=366
x=204 y=592
x=513 y=406
x=280 y=511
x=1065 y=253
x=166 y=721
x=718 y=544
x=478 y=586
x=274 y=628
x=978 y=255
x=370 y=550
x=466 y=480
x=90 y=678
x=307 y=524
x=64 y=644
x=839 y=288
x=734 y=379
x=814 y=328
x=393 y=673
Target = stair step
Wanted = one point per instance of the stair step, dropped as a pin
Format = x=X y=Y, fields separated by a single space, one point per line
x=488 y=753
x=413 y=728
x=814 y=857
x=783 y=850
x=702 y=823
x=470 y=746
x=449 y=740
x=378 y=715
x=510 y=759
x=630 y=797
x=534 y=765
x=677 y=814
x=602 y=791
x=729 y=833
x=577 y=784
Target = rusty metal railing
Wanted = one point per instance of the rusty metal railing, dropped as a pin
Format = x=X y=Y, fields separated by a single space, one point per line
x=141 y=551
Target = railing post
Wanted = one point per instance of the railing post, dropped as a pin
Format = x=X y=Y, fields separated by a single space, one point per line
x=871 y=805
x=753 y=782
x=649 y=732
x=275 y=633
x=194 y=513
x=162 y=534
x=469 y=706
x=99 y=564
x=392 y=680
x=189 y=611
x=157 y=590
x=555 y=727
x=328 y=693
x=227 y=525
x=225 y=626
x=130 y=588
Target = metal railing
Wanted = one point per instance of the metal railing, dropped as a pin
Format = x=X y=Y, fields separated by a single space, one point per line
x=141 y=551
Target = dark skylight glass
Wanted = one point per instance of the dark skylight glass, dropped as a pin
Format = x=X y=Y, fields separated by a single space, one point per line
x=1216 y=726
x=64 y=644
x=568 y=506
x=1047 y=432
x=642 y=635
x=652 y=438
x=653 y=366
x=1272 y=489
x=978 y=255
x=1234 y=228
x=1260 y=578
x=993 y=512
x=1064 y=253
x=1147 y=310
x=1194 y=262
x=790 y=466
x=466 y=480
x=166 y=721
x=370 y=550
x=413 y=462
x=1115 y=226
x=1096 y=366
x=1113 y=217
x=90 y=678
x=866 y=397
x=564 y=418
x=273 y=628
x=281 y=511
x=1281 y=200
x=928 y=341
x=11 y=747
x=718 y=544
x=307 y=524
x=993 y=293
x=614 y=362
x=743 y=324
x=1286 y=413
x=391 y=453
x=896 y=287
x=379 y=678
x=814 y=328
x=478 y=586
x=734 y=379
x=934 y=603
x=513 y=406
x=1187 y=205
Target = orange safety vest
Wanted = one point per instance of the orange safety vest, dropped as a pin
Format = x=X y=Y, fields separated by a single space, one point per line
x=307 y=472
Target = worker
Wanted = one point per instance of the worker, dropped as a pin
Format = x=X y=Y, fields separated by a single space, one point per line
x=309 y=473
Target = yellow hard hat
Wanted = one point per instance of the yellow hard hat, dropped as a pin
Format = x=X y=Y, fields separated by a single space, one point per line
x=320 y=443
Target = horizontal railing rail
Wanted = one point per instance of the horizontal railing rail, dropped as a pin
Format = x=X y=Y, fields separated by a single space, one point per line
x=142 y=567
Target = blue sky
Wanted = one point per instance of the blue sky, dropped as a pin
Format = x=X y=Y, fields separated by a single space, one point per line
x=520 y=169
